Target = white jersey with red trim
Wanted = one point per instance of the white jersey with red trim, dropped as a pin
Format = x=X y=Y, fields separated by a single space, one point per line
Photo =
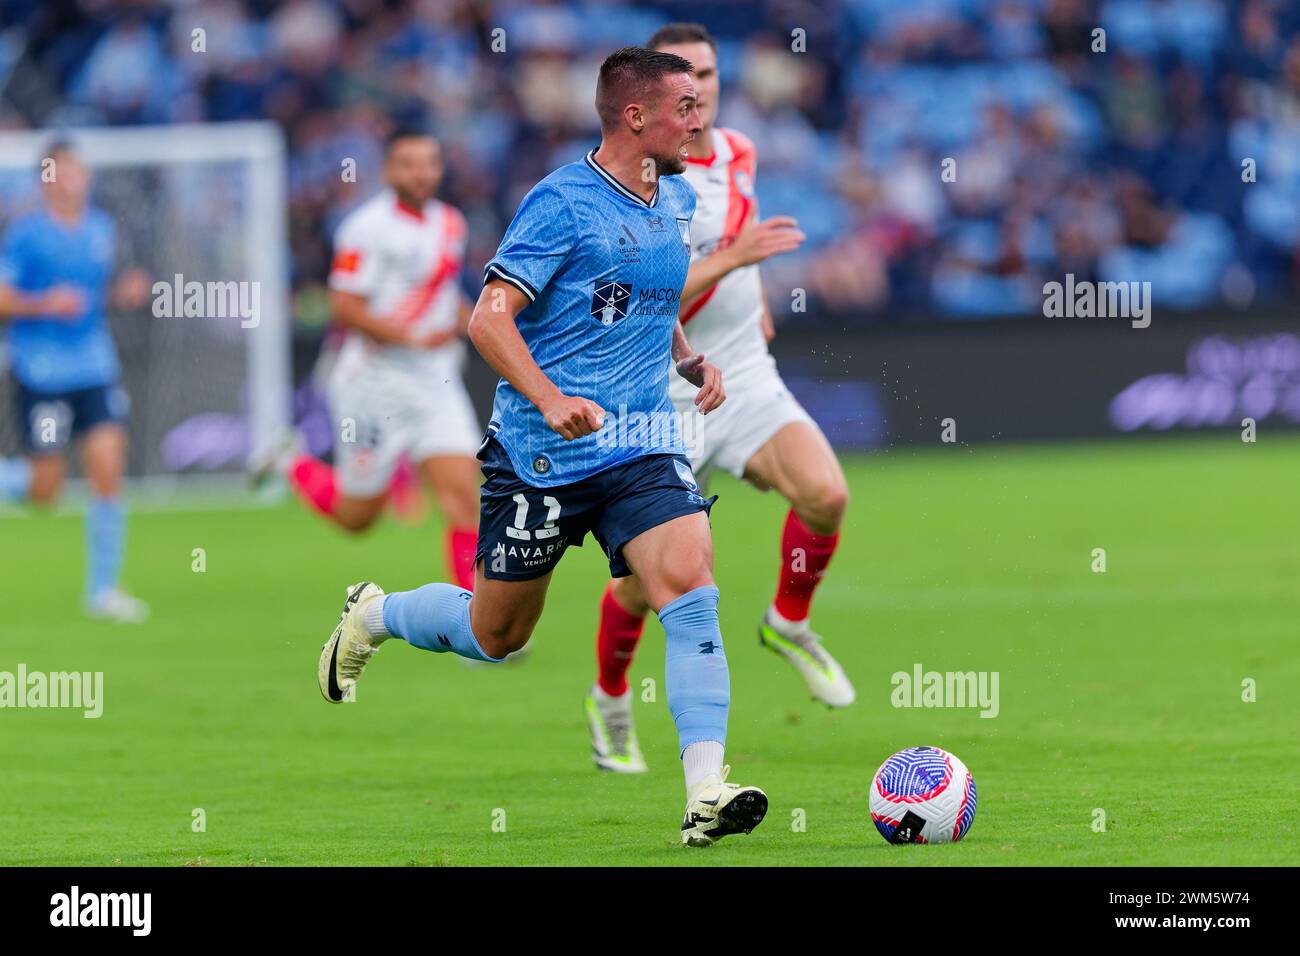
x=407 y=264
x=725 y=321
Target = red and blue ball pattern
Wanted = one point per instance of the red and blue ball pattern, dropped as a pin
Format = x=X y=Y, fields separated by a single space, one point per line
x=923 y=795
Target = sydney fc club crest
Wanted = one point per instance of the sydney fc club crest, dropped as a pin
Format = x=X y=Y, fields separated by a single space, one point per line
x=609 y=301
x=684 y=229
x=685 y=473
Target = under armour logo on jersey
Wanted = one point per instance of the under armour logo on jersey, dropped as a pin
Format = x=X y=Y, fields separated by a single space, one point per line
x=541 y=464
x=707 y=647
x=442 y=639
x=609 y=301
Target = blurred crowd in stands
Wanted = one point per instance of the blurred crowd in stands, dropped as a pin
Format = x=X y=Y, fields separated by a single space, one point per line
x=1119 y=155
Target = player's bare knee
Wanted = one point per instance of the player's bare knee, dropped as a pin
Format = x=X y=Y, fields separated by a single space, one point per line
x=357 y=515
x=108 y=487
x=627 y=592
x=499 y=632
x=44 y=494
x=463 y=513
x=355 y=523
x=498 y=640
x=45 y=487
x=822 y=509
x=682 y=579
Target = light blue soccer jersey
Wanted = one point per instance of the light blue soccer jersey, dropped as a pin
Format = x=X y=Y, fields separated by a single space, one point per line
x=38 y=253
x=603 y=271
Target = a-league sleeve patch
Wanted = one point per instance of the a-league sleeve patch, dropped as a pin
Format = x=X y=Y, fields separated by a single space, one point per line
x=346 y=260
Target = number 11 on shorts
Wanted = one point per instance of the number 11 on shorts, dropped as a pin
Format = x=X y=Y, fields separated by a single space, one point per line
x=547 y=530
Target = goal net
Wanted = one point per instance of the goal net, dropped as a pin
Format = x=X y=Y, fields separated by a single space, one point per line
x=205 y=362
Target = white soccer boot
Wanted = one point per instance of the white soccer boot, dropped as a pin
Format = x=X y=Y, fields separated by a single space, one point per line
x=114 y=604
x=799 y=645
x=349 y=649
x=613 y=736
x=267 y=468
x=716 y=809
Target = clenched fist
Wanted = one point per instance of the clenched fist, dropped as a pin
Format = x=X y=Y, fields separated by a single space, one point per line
x=573 y=417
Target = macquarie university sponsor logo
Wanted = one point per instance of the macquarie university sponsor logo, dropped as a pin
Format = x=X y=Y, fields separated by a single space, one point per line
x=609 y=301
x=69 y=690
x=922 y=688
x=662 y=300
x=1098 y=300
x=612 y=301
x=75 y=908
x=179 y=299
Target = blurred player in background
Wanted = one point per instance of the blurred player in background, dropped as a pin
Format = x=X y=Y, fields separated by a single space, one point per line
x=395 y=389
x=578 y=322
x=762 y=433
x=56 y=282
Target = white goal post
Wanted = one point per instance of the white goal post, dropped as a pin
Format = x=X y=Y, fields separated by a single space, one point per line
x=207 y=202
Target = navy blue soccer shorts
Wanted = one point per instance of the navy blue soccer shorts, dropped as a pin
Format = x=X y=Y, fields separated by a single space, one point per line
x=48 y=421
x=524 y=530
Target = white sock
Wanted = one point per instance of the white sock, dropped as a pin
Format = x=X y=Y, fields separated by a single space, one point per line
x=374 y=618
x=699 y=760
x=784 y=625
x=598 y=692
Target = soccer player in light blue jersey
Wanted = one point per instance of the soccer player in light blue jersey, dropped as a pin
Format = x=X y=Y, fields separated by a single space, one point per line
x=56 y=282
x=579 y=315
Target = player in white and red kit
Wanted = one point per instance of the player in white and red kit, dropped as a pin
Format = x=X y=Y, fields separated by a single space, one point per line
x=761 y=433
x=395 y=389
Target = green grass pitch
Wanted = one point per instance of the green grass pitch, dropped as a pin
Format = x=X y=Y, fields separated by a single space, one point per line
x=1119 y=691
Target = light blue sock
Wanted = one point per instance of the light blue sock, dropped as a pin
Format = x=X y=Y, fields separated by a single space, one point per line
x=105 y=543
x=436 y=618
x=15 y=478
x=696 y=679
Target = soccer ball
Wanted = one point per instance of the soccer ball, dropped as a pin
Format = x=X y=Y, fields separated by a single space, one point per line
x=923 y=795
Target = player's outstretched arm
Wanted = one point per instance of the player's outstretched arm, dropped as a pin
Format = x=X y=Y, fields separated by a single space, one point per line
x=351 y=311
x=705 y=376
x=494 y=333
x=61 y=303
x=755 y=242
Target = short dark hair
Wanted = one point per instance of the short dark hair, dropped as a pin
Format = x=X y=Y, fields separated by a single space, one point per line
x=627 y=75
x=401 y=133
x=675 y=33
x=58 y=146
